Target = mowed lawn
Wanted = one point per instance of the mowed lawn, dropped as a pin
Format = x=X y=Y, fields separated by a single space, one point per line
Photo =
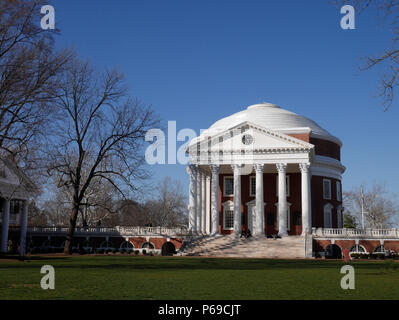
x=130 y=277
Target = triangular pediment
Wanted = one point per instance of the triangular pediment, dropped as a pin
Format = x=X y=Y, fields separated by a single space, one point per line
x=247 y=137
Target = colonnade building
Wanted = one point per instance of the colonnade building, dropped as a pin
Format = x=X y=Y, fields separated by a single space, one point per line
x=267 y=170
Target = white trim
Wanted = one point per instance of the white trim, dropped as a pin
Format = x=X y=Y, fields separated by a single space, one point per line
x=327 y=206
x=357 y=245
x=224 y=186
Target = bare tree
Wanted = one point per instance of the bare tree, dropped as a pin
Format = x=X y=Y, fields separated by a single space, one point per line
x=98 y=136
x=169 y=208
x=381 y=208
x=388 y=11
x=29 y=69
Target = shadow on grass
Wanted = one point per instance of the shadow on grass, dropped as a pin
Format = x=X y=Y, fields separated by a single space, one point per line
x=17 y=258
x=113 y=263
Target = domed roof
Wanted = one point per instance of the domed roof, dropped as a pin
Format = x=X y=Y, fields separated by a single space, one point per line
x=271 y=116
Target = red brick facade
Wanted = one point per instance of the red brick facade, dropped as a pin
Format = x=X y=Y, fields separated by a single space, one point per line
x=345 y=245
x=322 y=147
x=271 y=199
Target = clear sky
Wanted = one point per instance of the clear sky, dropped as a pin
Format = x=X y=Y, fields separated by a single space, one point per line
x=198 y=61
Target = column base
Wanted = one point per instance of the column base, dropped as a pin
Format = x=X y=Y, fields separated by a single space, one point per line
x=283 y=234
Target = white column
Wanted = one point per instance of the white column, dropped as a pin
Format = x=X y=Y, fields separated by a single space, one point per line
x=208 y=205
x=282 y=199
x=237 y=197
x=192 y=207
x=203 y=203
x=199 y=201
x=24 y=228
x=306 y=198
x=4 y=228
x=215 y=199
x=259 y=219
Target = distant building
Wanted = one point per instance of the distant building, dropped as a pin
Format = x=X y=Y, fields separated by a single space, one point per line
x=15 y=191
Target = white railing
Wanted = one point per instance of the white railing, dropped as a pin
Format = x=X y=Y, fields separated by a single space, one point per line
x=355 y=233
x=117 y=231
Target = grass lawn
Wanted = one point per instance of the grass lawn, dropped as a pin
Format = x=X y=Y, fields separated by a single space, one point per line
x=130 y=277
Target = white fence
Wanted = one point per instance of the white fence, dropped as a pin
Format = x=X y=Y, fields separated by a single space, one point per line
x=355 y=233
x=117 y=231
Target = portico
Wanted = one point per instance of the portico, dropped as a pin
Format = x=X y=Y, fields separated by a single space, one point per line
x=246 y=150
x=256 y=216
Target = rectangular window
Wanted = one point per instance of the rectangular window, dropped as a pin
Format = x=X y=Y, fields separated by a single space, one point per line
x=228 y=189
x=326 y=189
x=252 y=186
x=287 y=184
x=339 y=193
x=228 y=219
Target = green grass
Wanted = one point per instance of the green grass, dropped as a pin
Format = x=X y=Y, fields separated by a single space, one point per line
x=129 y=277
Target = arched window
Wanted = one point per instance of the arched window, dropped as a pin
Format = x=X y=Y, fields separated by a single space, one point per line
x=86 y=245
x=357 y=248
x=147 y=245
x=333 y=252
x=168 y=249
x=107 y=245
x=127 y=245
x=380 y=249
x=47 y=244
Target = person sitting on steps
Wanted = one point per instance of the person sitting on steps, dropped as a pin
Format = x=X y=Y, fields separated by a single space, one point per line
x=246 y=234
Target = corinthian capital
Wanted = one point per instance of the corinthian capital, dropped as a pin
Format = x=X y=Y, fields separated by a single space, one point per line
x=304 y=167
x=215 y=168
x=281 y=167
x=237 y=168
x=259 y=168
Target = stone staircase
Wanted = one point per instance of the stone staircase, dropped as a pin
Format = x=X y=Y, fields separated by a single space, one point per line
x=292 y=247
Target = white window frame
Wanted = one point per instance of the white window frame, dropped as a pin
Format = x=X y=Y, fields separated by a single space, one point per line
x=324 y=193
x=339 y=194
x=252 y=194
x=227 y=206
x=356 y=246
x=287 y=185
x=380 y=246
x=224 y=186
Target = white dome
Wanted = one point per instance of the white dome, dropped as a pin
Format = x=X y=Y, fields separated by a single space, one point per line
x=271 y=116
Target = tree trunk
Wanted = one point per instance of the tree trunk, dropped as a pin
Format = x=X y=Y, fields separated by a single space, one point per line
x=71 y=231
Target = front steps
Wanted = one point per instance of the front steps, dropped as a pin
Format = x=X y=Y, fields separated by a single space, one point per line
x=291 y=247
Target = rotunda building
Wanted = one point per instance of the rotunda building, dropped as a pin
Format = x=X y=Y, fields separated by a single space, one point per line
x=267 y=170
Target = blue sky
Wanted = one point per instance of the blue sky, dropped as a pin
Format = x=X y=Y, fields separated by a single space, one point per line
x=198 y=61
